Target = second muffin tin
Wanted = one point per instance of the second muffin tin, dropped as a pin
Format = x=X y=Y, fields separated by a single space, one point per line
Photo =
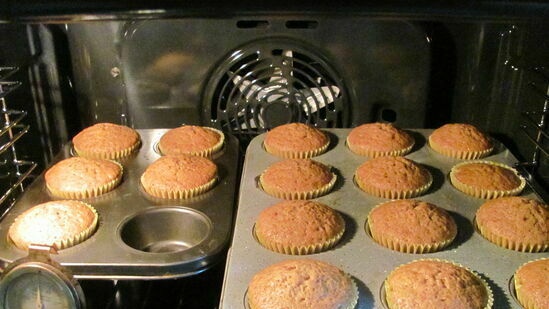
x=357 y=253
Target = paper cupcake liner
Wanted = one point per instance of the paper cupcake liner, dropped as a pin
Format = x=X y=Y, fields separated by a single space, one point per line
x=484 y=193
x=396 y=245
x=375 y=154
x=91 y=192
x=115 y=155
x=525 y=301
x=298 y=250
x=298 y=195
x=181 y=194
x=462 y=155
x=489 y=293
x=296 y=154
x=206 y=152
x=394 y=194
x=509 y=243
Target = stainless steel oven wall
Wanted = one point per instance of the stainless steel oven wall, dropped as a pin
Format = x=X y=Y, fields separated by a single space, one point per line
x=159 y=73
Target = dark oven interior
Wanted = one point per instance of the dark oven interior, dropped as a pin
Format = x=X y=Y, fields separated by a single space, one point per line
x=247 y=70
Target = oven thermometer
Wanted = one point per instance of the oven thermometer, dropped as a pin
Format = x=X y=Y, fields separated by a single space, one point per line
x=38 y=282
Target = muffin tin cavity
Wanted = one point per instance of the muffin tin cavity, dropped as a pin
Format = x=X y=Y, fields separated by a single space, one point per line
x=165 y=230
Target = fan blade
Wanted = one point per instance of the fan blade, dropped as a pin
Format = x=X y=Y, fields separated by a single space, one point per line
x=319 y=97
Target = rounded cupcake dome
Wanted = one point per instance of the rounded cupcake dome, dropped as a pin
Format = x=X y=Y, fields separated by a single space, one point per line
x=296 y=140
x=106 y=141
x=192 y=140
x=530 y=283
x=461 y=141
x=379 y=139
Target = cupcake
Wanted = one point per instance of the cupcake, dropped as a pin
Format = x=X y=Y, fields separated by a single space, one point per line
x=106 y=141
x=79 y=177
x=486 y=179
x=531 y=284
x=411 y=226
x=303 y=284
x=297 y=179
x=296 y=141
x=299 y=227
x=461 y=141
x=515 y=223
x=393 y=177
x=192 y=140
x=60 y=224
x=179 y=177
x=379 y=139
x=436 y=284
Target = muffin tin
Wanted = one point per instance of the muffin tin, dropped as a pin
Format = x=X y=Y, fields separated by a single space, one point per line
x=139 y=236
x=357 y=253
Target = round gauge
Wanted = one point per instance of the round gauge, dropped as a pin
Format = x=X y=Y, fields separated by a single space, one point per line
x=39 y=286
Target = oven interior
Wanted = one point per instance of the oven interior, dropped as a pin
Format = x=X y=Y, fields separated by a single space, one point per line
x=245 y=74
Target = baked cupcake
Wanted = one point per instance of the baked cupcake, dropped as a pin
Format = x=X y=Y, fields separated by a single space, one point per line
x=106 y=141
x=179 y=176
x=379 y=139
x=297 y=179
x=486 y=179
x=60 y=224
x=436 y=284
x=192 y=140
x=296 y=141
x=531 y=284
x=393 y=177
x=515 y=223
x=411 y=226
x=299 y=227
x=461 y=141
x=79 y=177
x=303 y=284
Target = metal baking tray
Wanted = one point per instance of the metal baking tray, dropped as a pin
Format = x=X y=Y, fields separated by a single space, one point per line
x=357 y=253
x=140 y=237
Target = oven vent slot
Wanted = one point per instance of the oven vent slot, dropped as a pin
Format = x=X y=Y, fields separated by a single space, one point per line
x=13 y=172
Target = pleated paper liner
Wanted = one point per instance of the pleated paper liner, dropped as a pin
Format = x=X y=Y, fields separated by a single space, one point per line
x=523 y=300
x=507 y=243
x=114 y=155
x=297 y=250
x=459 y=154
x=180 y=194
x=393 y=194
x=296 y=154
x=374 y=154
x=213 y=152
x=89 y=192
x=485 y=193
x=298 y=195
x=489 y=293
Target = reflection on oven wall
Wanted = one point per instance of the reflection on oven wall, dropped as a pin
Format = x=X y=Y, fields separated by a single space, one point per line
x=156 y=74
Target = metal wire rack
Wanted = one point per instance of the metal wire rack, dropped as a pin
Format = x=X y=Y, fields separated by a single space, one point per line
x=13 y=172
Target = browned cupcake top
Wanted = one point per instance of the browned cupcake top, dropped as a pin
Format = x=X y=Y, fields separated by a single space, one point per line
x=393 y=173
x=299 y=223
x=105 y=140
x=531 y=284
x=518 y=219
x=296 y=175
x=412 y=222
x=433 y=284
x=291 y=139
x=485 y=175
x=378 y=137
x=178 y=172
x=303 y=284
x=461 y=137
x=78 y=174
x=188 y=139
x=52 y=223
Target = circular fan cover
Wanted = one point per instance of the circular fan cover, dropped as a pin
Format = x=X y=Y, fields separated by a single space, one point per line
x=270 y=82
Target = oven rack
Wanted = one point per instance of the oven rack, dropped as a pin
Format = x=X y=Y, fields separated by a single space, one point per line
x=13 y=171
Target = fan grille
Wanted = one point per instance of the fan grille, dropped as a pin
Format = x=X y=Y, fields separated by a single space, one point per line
x=271 y=82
